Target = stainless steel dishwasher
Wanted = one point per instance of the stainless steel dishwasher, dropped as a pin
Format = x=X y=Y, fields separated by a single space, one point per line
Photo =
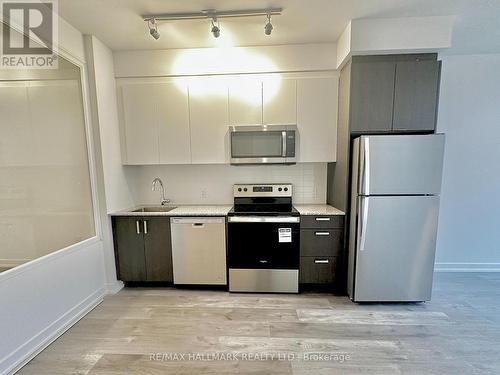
x=199 y=250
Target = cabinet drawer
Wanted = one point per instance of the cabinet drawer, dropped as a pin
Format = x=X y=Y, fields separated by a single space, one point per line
x=318 y=270
x=321 y=221
x=320 y=242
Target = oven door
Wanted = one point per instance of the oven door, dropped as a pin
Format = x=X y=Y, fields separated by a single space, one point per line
x=264 y=242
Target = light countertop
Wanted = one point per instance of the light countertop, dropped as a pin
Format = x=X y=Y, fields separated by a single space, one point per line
x=180 y=210
x=222 y=210
x=317 y=209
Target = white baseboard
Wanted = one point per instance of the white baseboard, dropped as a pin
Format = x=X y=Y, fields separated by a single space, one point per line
x=467 y=267
x=113 y=288
x=27 y=351
x=11 y=263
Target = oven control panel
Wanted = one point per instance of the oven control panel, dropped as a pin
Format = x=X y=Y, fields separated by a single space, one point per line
x=262 y=190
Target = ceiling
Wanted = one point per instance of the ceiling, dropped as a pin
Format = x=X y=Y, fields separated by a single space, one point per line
x=119 y=25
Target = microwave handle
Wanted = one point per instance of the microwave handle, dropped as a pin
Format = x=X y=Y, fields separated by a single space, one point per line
x=283 y=144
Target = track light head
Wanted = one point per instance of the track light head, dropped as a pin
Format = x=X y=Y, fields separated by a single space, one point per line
x=268 y=29
x=153 y=28
x=215 y=28
x=154 y=33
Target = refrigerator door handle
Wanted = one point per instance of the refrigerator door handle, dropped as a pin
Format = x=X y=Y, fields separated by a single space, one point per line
x=366 y=172
x=363 y=223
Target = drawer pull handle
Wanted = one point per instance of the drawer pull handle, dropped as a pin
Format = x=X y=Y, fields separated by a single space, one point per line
x=321 y=261
x=322 y=219
x=145 y=227
x=137 y=227
x=322 y=233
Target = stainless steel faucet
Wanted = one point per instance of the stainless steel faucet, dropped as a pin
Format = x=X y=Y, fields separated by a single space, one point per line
x=157 y=181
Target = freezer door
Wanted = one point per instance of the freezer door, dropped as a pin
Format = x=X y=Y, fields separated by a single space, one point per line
x=400 y=164
x=395 y=248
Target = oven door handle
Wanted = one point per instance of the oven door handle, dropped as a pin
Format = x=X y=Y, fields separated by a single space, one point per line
x=264 y=219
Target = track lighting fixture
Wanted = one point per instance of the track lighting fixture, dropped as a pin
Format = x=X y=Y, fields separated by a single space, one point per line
x=268 y=29
x=153 y=28
x=215 y=27
x=214 y=16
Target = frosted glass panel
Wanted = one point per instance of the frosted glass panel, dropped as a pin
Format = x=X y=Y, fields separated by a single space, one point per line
x=256 y=144
x=45 y=191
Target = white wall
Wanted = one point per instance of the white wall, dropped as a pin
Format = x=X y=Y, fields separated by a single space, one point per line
x=101 y=68
x=41 y=299
x=376 y=36
x=230 y=60
x=111 y=174
x=212 y=184
x=469 y=114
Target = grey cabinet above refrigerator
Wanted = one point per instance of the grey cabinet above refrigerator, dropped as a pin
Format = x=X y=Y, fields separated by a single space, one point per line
x=393 y=94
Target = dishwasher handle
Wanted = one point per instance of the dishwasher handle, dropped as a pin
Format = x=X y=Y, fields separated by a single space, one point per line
x=197 y=221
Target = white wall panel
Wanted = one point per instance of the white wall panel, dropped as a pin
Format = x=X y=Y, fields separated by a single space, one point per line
x=469 y=115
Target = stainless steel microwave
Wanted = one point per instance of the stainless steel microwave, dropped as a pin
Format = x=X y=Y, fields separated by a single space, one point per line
x=263 y=144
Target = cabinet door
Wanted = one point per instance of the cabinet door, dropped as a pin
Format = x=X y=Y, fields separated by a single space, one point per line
x=318 y=270
x=320 y=242
x=372 y=94
x=158 y=249
x=208 y=108
x=173 y=123
x=245 y=101
x=317 y=103
x=140 y=123
x=416 y=95
x=129 y=248
x=279 y=101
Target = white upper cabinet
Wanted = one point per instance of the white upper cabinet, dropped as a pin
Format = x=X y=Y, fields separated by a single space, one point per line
x=140 y=123
x=168 y=121
x=208 y=109
x=245 y=101
x=155 y=123
x=279 y=100
x=317 y=103
x=173 y=124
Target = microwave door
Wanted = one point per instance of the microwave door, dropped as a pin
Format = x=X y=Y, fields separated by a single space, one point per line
x=258 y=147
x=261 y=144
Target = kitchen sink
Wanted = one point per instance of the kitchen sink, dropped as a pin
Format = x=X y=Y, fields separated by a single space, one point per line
x=155 y=209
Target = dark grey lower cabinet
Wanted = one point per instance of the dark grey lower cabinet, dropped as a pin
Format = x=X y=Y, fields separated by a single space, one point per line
x=321 y=242
x=129 y=249
x=143 y=248
x=158 y=249
x=318 y=270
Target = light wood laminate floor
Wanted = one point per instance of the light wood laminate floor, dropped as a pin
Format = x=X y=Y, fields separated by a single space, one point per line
x=458 y=332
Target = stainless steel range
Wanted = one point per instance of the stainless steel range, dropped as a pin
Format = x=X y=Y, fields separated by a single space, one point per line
x=263 y=240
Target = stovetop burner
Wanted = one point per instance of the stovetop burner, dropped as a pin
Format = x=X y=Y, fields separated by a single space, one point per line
x=265 y=200
x=251 y=211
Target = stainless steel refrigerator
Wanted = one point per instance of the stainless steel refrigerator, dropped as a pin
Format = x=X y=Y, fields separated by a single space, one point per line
x=396 y=181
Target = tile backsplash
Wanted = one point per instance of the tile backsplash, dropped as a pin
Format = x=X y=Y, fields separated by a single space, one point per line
x=212 y=184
